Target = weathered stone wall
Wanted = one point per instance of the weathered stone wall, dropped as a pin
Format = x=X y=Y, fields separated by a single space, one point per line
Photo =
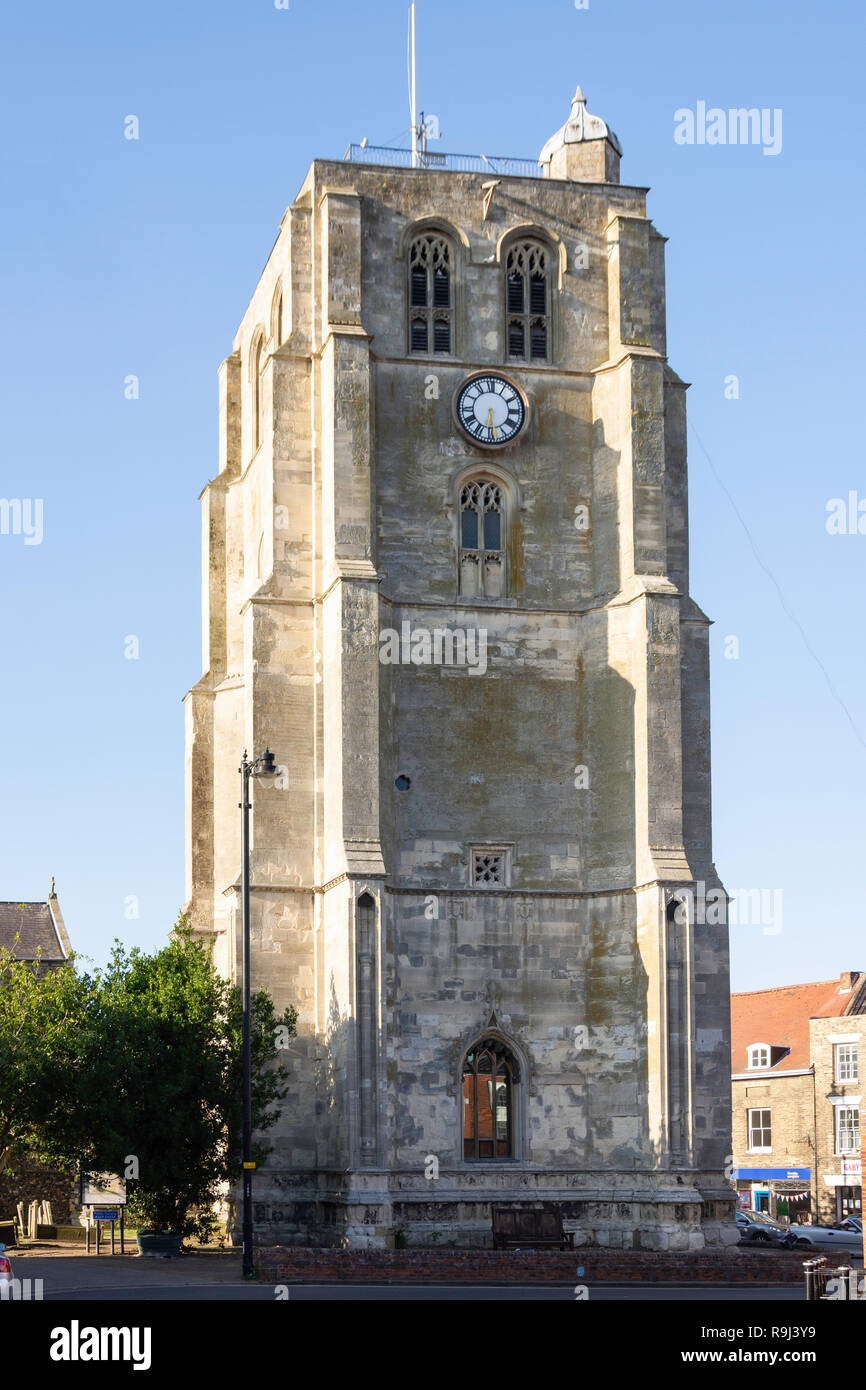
x=343 y=521
x=33 y=1182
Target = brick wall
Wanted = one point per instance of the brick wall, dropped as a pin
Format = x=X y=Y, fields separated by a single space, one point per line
x=278 y=1264
x=789 y=1099
x=824 y=1033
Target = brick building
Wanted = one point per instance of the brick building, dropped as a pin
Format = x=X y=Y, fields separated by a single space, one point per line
x=796 y=1093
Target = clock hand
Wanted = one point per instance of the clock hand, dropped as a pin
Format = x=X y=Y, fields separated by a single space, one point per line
x=490 y=424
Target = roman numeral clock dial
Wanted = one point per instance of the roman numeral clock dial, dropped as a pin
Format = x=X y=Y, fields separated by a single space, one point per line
x=490 y=409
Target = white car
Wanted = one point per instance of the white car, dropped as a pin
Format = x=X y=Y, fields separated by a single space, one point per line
x=848 y=1242
x=6 y=1283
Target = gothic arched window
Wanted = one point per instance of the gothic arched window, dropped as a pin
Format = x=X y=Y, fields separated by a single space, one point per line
x=431 y=294
x=366 y=1016
x=256 y=385
x=277 y=316
x=490 y=1074
x=527 y=302
x=482 y=538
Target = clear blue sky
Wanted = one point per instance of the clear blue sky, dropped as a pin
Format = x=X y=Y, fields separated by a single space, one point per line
x=123 y=257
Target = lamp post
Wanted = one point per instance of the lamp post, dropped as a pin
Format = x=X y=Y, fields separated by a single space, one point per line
x=262 y=766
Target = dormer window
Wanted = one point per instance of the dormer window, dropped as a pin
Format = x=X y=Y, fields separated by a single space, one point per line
x=759 y=1057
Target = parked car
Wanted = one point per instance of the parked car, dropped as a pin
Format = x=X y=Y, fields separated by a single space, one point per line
x=5 y=1272
x=758 y=1229
x=843 y=1238
x=851 y=1223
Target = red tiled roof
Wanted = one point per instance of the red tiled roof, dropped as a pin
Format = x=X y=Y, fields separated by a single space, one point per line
x=781 y=1016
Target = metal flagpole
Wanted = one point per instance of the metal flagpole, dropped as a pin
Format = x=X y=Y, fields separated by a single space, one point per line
x=412 y=102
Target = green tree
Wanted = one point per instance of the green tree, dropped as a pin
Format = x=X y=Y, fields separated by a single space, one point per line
x=157 y=1089
x=42 y=1010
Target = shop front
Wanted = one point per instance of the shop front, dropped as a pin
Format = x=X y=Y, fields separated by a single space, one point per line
x=848 y=1190
x=781 y=1193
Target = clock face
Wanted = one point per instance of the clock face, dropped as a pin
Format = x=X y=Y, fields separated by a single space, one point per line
x=490 y=409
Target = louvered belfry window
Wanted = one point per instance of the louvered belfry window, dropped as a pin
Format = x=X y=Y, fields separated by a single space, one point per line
x=527 y=302
x=431 y=295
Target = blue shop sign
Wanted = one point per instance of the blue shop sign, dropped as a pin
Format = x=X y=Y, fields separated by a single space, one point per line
x=788 y=1174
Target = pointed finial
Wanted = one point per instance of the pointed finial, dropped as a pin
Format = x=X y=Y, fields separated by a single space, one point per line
x=580 y=128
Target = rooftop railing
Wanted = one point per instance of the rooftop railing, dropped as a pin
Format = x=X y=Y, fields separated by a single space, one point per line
x=455 y=163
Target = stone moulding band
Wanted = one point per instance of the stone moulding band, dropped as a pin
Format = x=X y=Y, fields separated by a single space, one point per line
x=457 y=1190
x=460 y=604
x=421 y=891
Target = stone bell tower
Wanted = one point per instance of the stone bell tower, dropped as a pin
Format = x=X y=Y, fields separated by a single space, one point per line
x=446 y=581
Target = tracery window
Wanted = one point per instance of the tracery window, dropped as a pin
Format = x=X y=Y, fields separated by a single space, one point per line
x=491 y=866
x=431 y=294
x=482 y=539
x=527 y=302
x=490 y=1074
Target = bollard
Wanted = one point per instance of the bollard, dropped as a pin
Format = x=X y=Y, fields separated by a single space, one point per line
x=815 y=1272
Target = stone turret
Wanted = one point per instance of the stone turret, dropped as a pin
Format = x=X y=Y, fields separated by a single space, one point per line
x=584 y=149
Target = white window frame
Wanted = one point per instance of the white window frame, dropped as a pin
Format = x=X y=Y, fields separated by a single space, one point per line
x=753 y=1129
x=754 y=1050
x=853 y=1061
x=838 y=1112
